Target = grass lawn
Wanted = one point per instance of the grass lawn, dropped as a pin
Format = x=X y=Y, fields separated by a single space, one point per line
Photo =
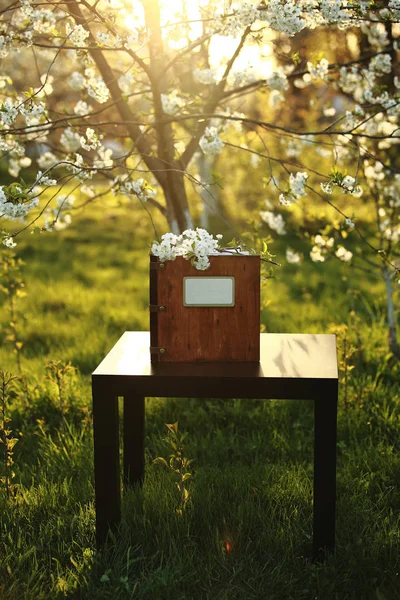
x=246 y=530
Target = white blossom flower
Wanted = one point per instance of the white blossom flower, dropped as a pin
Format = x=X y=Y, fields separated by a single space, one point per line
x=284 y=16
x=316 y=254
x=104 y=161
x=16 y=164
x=318 y=71
x=91 y=141
x=274 y=221
x=46 y=160
x=8 y=112
x=126 y=82
x=70 y=139
x=293 y=257
x=332 y=11
x=77 y=81
x=43 y=20
x=195 y=245
x=205 y=76
x=278 y=80
x=323 y=242
x=15 y=209
x=139 y=188
x=326 y=187
x=171 y=103
x=348 y=184
x=381 y=63
x=210 y=142
x=98 y=90
x=82 y=108
x=77 y=35
x=9 y=242
x=285 y=199
x=103 y=38
x=297 y=183
x=275 y=98
x=44 y=180
x=343 y=254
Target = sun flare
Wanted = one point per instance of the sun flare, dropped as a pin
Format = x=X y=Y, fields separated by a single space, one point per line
x=254 y=58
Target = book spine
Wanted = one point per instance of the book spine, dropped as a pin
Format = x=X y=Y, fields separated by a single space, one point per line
x=153 y=301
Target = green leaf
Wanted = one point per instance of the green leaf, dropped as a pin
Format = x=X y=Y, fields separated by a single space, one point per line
x=160 y=461
x=172 y=427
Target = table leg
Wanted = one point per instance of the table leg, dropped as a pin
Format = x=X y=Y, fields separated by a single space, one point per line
x=133 y=439
x=325 y=420
x=106 y=462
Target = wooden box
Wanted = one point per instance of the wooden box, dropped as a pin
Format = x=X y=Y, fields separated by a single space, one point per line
x=211 y=315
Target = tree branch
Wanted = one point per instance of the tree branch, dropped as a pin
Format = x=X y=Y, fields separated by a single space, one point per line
x=212 y=104
x=126 y=114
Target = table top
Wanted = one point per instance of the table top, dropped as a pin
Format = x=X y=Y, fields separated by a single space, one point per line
x=283 y=356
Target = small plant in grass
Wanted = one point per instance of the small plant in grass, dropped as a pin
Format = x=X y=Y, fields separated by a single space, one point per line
x=179 y=464
x=12 y=285
x=60 y=374
x=7 y=440
x=346 y=351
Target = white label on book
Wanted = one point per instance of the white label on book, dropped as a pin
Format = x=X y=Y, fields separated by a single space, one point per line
x=209 y=291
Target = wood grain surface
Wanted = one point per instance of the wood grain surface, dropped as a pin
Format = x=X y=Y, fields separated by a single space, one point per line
x=207 y=333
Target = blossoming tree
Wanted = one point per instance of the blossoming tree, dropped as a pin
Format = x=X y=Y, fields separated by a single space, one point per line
x=128 y=91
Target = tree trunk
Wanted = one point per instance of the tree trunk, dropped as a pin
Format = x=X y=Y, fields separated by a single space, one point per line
x=178 y=214
x=174 y=184
x=392 y=332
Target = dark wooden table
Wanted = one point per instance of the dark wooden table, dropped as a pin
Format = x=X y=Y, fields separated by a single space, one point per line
x=292 y=366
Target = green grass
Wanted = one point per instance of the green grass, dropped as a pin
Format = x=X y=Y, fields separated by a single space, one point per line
x=252 y=460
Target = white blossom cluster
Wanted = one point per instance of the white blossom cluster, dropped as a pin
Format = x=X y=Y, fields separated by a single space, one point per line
x=97 y=89
x=32 y=111
x=347 y=183
x=321 y=246
x=91 y=141
x=12 y=209
x=171 y=103
x=93 y=83
x=319 y=70
x=76 y=34
x=43 y=179
x=205 y=76
x=104 y=160
x=232 y=22
x=210 y=142
x=296 y=188
x=278 y=80
x=82 y=108
x=15 y=164
x=70 y=139
x=343 y=254
x=139 y=188
x=79 y=168
x=8 y=112
x=274 y=221
x=195 y=245
x=126 y=82
x=293 y=257
x=8 y=242
x=47 y=160
x=284 y=16
x=332 y=12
